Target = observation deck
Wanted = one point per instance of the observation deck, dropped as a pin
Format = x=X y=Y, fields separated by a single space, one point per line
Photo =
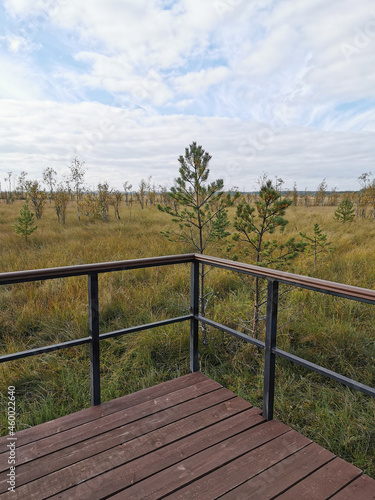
x=189 y=437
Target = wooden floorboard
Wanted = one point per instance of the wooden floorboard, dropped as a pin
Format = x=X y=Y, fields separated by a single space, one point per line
x=183 y=439
x=112 y=439
x=72 y=424
x=277 y=478
x=145 y=466
x=363 y=487
x=111 y=426
x=325 y=482
x=201 y=463
x=95 y=412
x=90 y=429
x=255 y=463
x=133 y=448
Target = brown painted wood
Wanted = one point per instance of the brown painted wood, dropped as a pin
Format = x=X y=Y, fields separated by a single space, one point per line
x=104 y=424
x=325 y=482
x=362 y=488
x=197 y=441
x=317 y=284
x=143 y=433
x=285 y=277
x=280 y=476
x=205 y=461
x=94 y=412
x=218 y=482
x=139 y=469
x=102 y=267
x=117 y=456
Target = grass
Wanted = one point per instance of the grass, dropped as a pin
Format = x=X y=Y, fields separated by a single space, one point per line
x=333 y=332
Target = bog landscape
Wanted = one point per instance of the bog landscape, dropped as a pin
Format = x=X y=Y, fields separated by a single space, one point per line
x=324 y=234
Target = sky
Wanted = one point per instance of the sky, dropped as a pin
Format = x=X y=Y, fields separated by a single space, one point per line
x=279 y=87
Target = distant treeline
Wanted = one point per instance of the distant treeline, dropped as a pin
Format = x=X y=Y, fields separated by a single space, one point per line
x=95 y=202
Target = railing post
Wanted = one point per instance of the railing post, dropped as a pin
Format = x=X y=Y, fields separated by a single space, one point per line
x=194 y=310
x=94 y=334
x=269 y=357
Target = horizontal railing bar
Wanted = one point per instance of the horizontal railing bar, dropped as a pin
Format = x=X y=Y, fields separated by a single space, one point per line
x=42 y=350
x=370 y=391
x=235 y=333
x=295 y=359
x=318 y=285
x=87 y=340
x=133 y=329
x=322 y=286
x=83 y=269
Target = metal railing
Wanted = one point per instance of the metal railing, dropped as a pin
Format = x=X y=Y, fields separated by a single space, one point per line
x=272 y=276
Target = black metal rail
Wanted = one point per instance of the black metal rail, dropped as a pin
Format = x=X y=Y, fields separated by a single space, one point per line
x=271 y=351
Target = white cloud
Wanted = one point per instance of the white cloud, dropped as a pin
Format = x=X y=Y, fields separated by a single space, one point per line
x=120 y=145
x=17 y=44
x=195 y=82
x=183 y=104
x=274 y=85
x=116 y=75
x=142 y=31
x=19 y=79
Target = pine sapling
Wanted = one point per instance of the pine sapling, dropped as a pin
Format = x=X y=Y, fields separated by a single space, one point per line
x=254 y=224
x=317 y=243
x=199 y=209
x=25 y=222
x=345 y=211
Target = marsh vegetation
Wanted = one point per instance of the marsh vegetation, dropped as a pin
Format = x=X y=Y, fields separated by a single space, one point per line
x=336 y=333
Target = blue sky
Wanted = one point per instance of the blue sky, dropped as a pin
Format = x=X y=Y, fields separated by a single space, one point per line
x=282 y=87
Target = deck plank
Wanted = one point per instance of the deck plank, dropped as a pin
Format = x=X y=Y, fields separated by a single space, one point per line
x=139 y=469
x=146 y=442
x=61 y=424
x=362 y=488
x=144 y=428
x=192 y=468
x=281 y=476
x=188 y=438
x=87 y=430
x=325 y=482
x=218 y=482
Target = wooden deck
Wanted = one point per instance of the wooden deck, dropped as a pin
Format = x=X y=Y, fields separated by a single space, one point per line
x=186 y=438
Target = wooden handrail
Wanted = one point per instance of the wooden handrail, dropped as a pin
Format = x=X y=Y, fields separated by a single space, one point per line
x=318 y=285
x=271 y=275
x=85 y=269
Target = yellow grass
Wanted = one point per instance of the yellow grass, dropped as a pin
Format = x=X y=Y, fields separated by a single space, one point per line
x=336 y=333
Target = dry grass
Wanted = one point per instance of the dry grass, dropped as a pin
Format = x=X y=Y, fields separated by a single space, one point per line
x=336 y=333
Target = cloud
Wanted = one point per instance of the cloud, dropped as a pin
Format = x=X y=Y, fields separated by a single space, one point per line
x=195 y=82
x=17 y=44
x=116 y=75
x=15 y=75
x=267 y=85
x=119 y=144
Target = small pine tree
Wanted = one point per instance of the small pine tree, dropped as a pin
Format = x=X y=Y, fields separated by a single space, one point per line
x=345 y=211
x=200 y=209
x=317 y=243
x=254 y=224
x=25 y=222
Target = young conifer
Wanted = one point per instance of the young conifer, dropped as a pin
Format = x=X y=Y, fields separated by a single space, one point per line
x=254 y=224
x=200 y=208
x=345 y=211
x=317 y=243
x=25 y=222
